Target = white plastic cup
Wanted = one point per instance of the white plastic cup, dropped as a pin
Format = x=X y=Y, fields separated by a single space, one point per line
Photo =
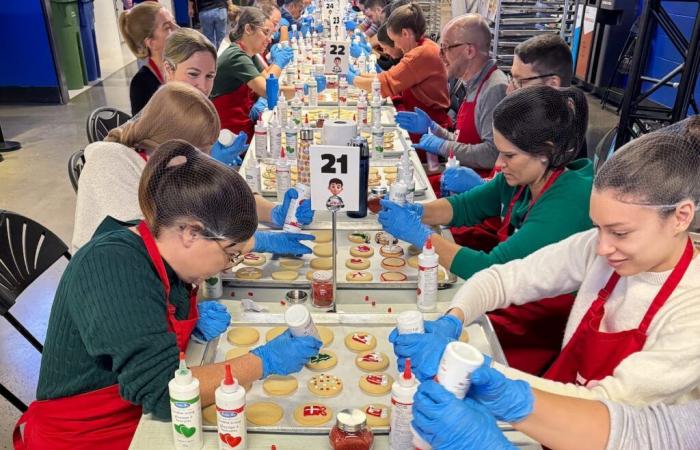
x=458 y=362
x=410 y=322
x=300 y=323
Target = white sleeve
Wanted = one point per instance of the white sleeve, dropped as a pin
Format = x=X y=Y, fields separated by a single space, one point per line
x=552 y=270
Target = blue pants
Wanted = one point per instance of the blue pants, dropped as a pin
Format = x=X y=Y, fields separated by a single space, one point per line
x=214 y=24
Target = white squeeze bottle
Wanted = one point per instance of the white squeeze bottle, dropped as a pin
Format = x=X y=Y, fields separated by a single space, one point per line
x=275 y=131
x=342 y=91
x=185 y=408
x=427 y=277
x=282 y=175
x=433 y=160
x=451 y=162
x=402 y=392
x=261 y=148
x=252 y=175
x=376 y=89
x=291 y=225
x=230 y=413
x=282 y=110
x=313 y=92
x=362 y=110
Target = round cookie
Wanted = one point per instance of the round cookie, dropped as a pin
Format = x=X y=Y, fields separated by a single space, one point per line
x=326 y=359
x=249 y=273
x=323 y=250
x=243 y=336
x=358 y=276
x=274 y=332
x=374 y=182
x=391 y=251
x=279 y=385
x=384 y=238
x=254 y=259
x=325 y=385
x=413 y=262
x=322 y=263
x=392 y=276
x=393 y=263
x=209 y=414
x=464 y=337
x=378 y=415
x=312 y=414
x=357 y=263
x=326 y=334
x=359 y=237
x=322 y=236
x=413 y=250
x=263 y=413
x=362 y=251
x=236 y=352
x=373 y=170
x=285 y=275
x=360 y=341
x=372 y=361
x=442 y=276
x=310 y=275
x=291 y=263
x=376 y=383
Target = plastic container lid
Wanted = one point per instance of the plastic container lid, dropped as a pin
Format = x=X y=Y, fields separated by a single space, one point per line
x=468 y=356
x=297 y=316
x=323 y=275
x=226 y=137
x=351 y=420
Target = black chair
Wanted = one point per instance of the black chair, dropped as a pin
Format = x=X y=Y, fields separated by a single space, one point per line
x=604 y=149
x=75 y=167
x=10 y=397
x=102 y=120
x=27 y=249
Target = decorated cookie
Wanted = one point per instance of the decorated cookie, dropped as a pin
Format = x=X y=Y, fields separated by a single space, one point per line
x=372 y=361
x=243 y=336
x=356 y=263
x=358 y=276
x=326 y=359
x=378 y=415
x=325 y=385
x=384 y=238
x=376 y=383
x=359 y=237
x=280 y=385
x=254 y=259
x=362 y=251
x=360 y=341
x=312 y=414
x=391 y=250
x=392 y=276
x=393 y=263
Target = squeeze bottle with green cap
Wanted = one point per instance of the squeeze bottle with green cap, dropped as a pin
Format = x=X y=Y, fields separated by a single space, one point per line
x=427 y=277
x=402 y=392
x=185 y=408
x=230 y=413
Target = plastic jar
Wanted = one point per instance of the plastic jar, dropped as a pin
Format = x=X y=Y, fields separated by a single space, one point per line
x=350 y=431
x=322 y=289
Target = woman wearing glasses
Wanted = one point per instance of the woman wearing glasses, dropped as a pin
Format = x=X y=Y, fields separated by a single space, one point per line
x=126 y=306
x=239 y=92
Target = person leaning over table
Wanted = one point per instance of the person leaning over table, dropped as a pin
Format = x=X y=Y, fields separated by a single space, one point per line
x=113 y=340
x=632 y=333
x=542 y=194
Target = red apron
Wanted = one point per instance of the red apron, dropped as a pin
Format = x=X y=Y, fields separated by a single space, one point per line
x=531 y=334
x=156 y=70
x=591 y=354
x=99 y=419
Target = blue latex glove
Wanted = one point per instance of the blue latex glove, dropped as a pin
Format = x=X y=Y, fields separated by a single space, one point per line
x=319 y=28
x=352 y=73
x=304 y=212
x=414 y=122
x=285 y=23
x=311 y=9
x=430 y=143
x=416 y=208
x=378 y=68
x=447 y=423
x=213 y=320
x=403 y=223
x=357 y=50
x=282 y=243
x=281 y=56
x=460 y=179
x=320 y=84
x=276 y=36
x=507 y=400
x=286 y=354
x=231 y=155
x=306 y=20
x=350 y=25
x=258 y=107
x=425 y=350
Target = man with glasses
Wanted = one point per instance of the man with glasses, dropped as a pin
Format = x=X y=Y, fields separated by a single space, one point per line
x=291 y=12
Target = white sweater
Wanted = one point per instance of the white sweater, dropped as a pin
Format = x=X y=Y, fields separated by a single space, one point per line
x=108 y=186
x=667 y=368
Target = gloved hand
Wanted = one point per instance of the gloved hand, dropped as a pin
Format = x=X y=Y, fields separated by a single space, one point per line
x=282 y=243
x=507 y=400
x=352 y=74
x=213 y=320
x=425 y=350
x=311 y=9
x=286 y=354
x=414 y=122
x=281 y=56
x=231 y=155
x=403 y=223
x=430 y=143
x=460 y=179
x=320 y=84
x=350 y=25
x=378 y=68
x=304 y=212
x=305 y=29
x=357 y=50
x=284 y=23
x=258 y=107
x=276 y=36
x=447 y=423
x=416 y=208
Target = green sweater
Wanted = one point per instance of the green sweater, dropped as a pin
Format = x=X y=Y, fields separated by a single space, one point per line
x=108 y=324
x=560 y=212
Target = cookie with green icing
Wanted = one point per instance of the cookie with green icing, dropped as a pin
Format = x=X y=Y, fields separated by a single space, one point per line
x=325 y=360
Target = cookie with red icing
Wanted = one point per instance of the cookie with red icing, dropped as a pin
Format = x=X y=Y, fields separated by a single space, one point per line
x=372 y=361
x=311 y=414
x=360 y=341
x=376 y=383
x=362 y=251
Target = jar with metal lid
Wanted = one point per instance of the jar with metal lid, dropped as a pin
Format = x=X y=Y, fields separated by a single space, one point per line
x=322 y=289
x=376 y=194
x=350 y=431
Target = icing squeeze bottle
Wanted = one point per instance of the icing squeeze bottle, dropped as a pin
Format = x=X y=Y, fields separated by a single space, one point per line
x=185 y=408
x=402 y=392
x=230 y=413
x=283 y=176
x=451 y=163
x=427 y=277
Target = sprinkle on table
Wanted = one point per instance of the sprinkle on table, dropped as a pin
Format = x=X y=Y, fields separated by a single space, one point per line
x=283 y=303
x=374 y=303
x=366 y=298
x=250 y=293
x=389 y=310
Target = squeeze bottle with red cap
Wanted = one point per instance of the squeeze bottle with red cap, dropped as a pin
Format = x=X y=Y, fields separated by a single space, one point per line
x=427 y=277
x=402 y=392
x=451 y=163
x=230 y=413
x=185 y=408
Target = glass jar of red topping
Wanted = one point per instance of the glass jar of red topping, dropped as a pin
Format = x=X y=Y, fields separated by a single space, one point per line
x=322 y=289
x=350 y=431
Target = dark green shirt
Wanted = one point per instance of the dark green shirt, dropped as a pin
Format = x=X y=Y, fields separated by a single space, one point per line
x=560 y=212
x=233 y=69
x=108 y=324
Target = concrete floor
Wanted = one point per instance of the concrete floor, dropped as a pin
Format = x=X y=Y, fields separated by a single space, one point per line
x=34 y=182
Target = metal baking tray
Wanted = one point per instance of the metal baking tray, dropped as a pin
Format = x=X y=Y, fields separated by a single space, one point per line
x=339 y=112
x=343 y=247
x=481 y=335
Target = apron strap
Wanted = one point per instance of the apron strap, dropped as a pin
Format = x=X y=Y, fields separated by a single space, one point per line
x=156 y=70
x=156 y=259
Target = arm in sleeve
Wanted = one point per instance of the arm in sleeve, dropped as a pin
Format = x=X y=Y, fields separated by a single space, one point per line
x=403 y=75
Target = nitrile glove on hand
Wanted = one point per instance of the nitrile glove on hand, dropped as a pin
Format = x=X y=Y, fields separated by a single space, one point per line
x=286 y=354
x=417 y=122
x=304 y=214
x=403 y=223
x=258 y=107
x=430 y=143
x=457 y=180
x=213 y=320
x=231 y=155
x=281 y=243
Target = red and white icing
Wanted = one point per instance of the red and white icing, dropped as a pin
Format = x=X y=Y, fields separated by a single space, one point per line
x=314 y=410
x=357 y=274
x=392 y=249
x=362 y=338
x=376 y=412
x=379 y=380
x=251 y=257
x=371 y=357
x=356 y=260
x=363 y=248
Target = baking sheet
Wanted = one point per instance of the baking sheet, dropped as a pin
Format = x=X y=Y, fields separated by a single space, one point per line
x=481 y=335
x=338 y=112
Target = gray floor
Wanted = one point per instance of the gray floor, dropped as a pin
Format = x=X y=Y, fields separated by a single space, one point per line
x=34 y=182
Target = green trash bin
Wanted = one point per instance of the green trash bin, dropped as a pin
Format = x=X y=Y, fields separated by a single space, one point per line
x=66 y=29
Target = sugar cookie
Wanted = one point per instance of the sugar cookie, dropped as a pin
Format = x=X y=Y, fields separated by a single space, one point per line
x=376 y=383
x=442 y=276
x=209 y=415
x=390 y=169
x=323 y=250
x=285 y=275
x=322 y=263
x=384 y=238
x=359 y=237
x=464 y=337
x=373 y=170
x=291 y=263
x=254 y=259
x=280 y=385
x=374 y=182
x=393 y=263
x=360 y=341
x=243 y=336
x=236 y=352
x=358 y=276
x=326 y=359
x=378 y=415
x=391 y=251
x=362 y=251
x=413 y=250
x=249 y=273
x=372 y=361
x=263 y=413
x=357 y=263
x=325 y=385
x=310 y=275
x=392 y=276
x=413 y=262
x=312 y=414
x=326 y=334
x=322 y=236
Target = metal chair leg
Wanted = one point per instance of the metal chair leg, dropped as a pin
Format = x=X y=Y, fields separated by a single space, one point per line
x=17 y=403
x=23 y=331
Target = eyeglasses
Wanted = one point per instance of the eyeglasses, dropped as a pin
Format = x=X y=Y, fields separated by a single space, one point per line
x=518 y=83
x=446 y=48
x=265 y=31
x=234 y=259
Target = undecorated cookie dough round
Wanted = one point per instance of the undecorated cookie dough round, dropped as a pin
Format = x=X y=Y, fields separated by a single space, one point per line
x=358 y=276
x=326 y=359
x=378 y=415
x=360 y=341
x=413 y=250
x=390 y=169
x=412 y=261
x=325 y=385
x=355 y=263
x=285 y=275
x=279 y=385
x=236 y=352
x=312 y=414
x=322 y=236
x=254 y=259
x=243 y=336
x=209 y=414
x=322 y=263
x=263 y=413
x=326 y=334
x=372 y=361
x=362 y=251
x=376 y=383
x=249 y=273
x=291 y=263
x=274 y=332
x=464 y=337
x=310 y=275
x=323 y=250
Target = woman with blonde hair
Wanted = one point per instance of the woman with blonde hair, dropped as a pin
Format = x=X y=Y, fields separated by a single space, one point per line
x=145 y=28
x=190 y=57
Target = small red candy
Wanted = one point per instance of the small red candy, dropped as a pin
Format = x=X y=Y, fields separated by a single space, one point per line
x=374 y=303
x=366 y=298
x=388 y=309
x=250 y=293
x=282 y=302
